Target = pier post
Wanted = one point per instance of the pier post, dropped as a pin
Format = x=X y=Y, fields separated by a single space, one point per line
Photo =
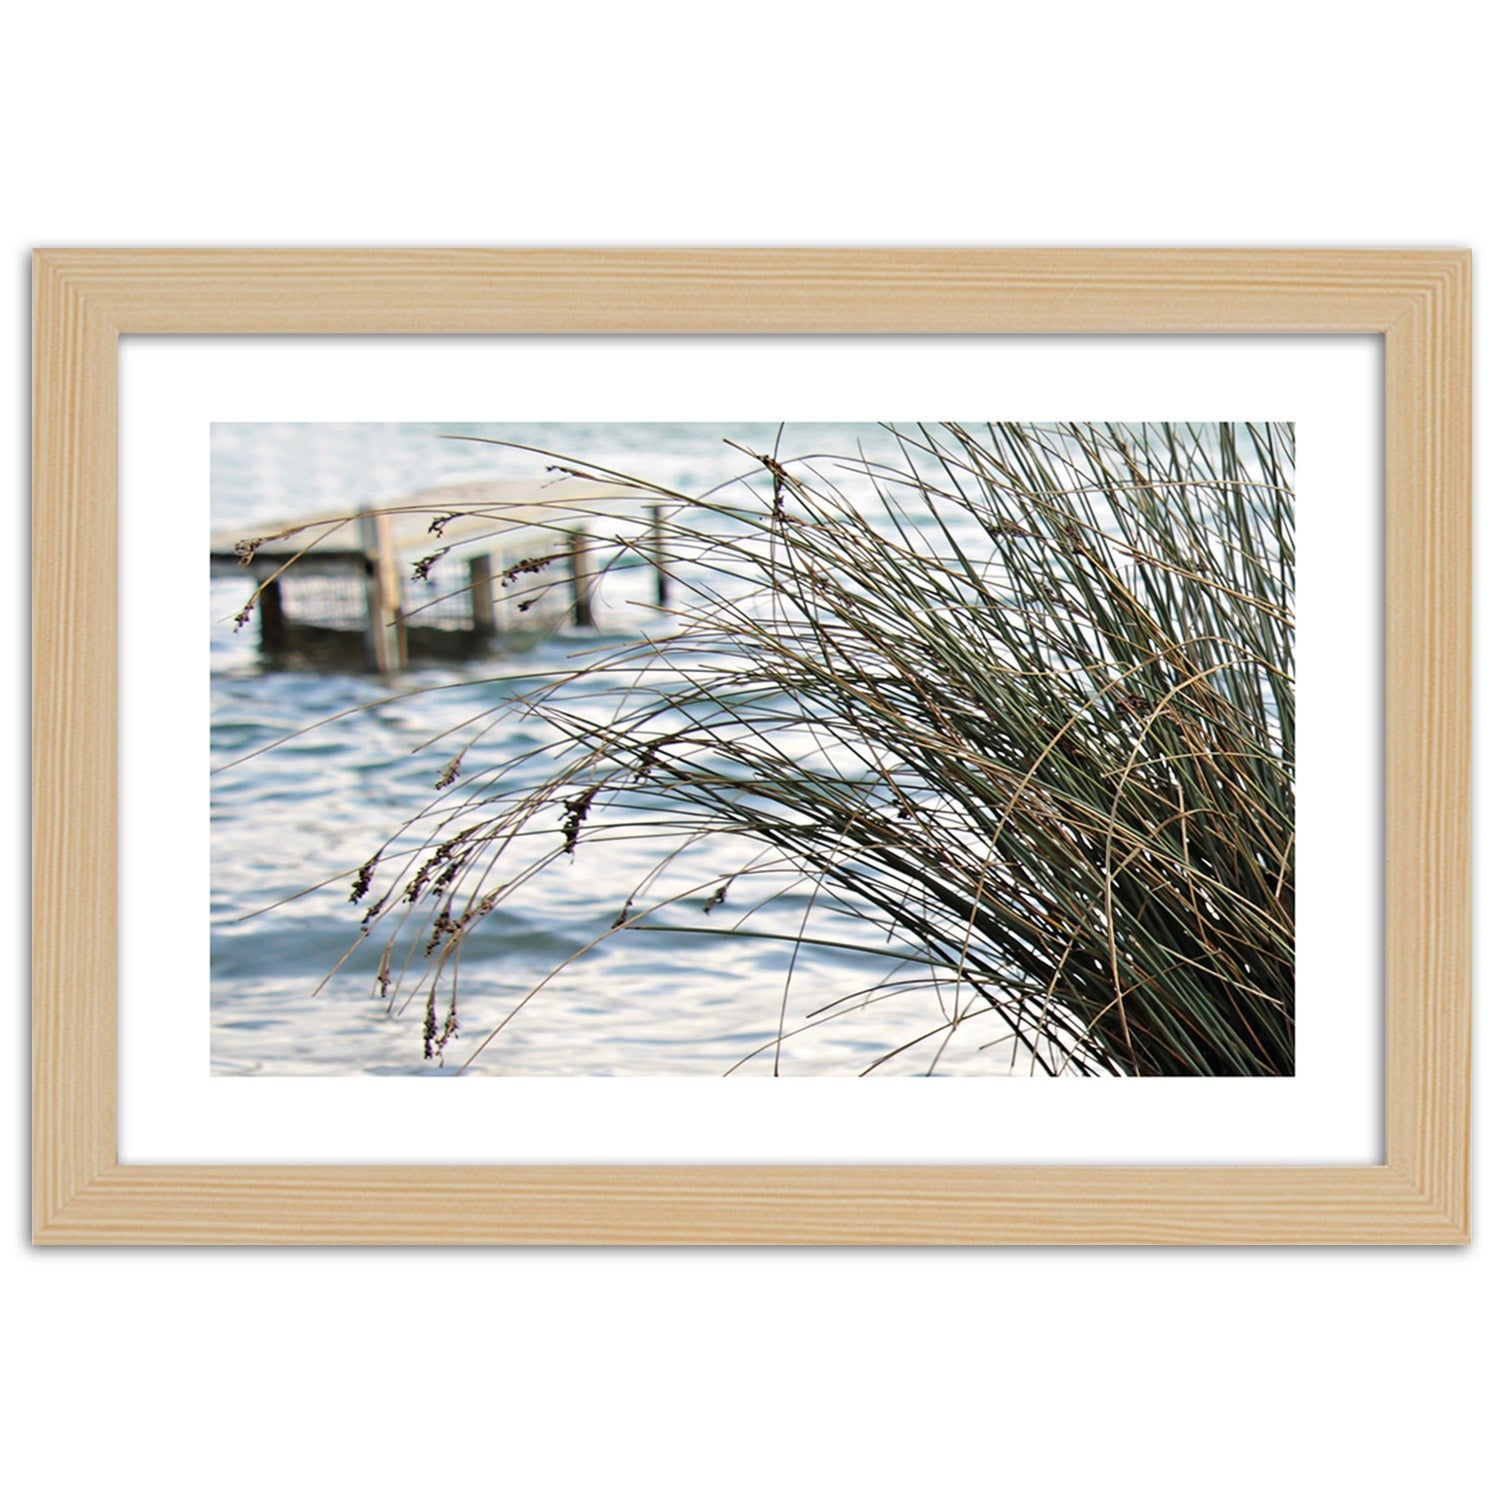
x=482 y=594
x=385 y=631
x=583 y=609
x=659 y=557
x=272 y=616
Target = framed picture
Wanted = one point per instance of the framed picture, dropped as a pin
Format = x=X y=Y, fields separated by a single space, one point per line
x=1012 y=699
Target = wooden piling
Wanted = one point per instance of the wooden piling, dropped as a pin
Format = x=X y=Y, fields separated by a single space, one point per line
x=583 y=609
x=272 y=616
x=658 y=547
x=482 y=594
x=385 y=631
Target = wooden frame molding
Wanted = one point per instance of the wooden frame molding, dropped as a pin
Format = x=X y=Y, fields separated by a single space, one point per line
x=1419 y=301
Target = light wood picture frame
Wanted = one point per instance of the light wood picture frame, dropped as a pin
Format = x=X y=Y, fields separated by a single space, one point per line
x=1418 y=302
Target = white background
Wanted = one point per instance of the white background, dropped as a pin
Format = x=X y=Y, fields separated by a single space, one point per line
x=896 y=1372
x=171 y=1110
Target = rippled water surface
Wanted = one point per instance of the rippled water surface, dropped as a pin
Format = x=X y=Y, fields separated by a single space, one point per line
x=289 y=995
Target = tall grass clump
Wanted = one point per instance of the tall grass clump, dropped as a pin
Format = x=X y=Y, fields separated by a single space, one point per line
x=1021 y=698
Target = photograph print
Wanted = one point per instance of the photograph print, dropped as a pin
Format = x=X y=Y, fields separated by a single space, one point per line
x=753 y=749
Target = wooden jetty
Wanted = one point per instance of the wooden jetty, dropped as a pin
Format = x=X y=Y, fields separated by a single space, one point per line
x=502 y=531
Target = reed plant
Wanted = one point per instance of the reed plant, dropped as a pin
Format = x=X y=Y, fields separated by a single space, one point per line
x=1019 y=699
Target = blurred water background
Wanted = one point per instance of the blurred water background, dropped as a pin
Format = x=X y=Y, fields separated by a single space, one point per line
x=312 y=810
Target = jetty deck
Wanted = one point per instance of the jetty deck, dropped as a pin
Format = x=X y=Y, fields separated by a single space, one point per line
x=485 y=524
